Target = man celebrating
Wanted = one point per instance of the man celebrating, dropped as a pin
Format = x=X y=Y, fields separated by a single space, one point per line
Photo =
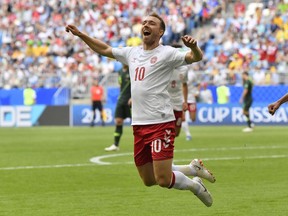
x=150 y=68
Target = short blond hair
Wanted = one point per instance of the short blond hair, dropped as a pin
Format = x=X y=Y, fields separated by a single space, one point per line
x=162 y=23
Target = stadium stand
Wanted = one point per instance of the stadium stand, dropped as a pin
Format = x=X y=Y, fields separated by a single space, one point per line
x=235 y=36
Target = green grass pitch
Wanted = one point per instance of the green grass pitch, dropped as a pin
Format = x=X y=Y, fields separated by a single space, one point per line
x=47 y=171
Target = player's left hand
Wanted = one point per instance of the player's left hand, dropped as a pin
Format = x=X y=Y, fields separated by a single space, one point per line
x=273 y=107
x=189 y=41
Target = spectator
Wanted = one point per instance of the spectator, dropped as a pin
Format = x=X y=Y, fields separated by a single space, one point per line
x=239 y=8
x=258 y=75
x=36 y=38
x=29 y=96
x=223 y=93
x=205 y=94
x=272 y=50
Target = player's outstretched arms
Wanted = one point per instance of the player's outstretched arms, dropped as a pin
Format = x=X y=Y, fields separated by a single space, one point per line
x=95 y=44
x=272 y=108
x=195 y=54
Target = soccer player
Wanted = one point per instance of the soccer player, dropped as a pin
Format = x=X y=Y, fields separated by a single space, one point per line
x=193 y=93
x=123 y=109
x=150 y=68
x=247 y=100
x=178 y=92
x=273 y=107
x=97 y=96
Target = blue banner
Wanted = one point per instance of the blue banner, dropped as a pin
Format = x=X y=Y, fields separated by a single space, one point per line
x=232 y=114
x=36 y=115
x=45 y=96
x=83 y=115
x=229 y=114
x=20 y=116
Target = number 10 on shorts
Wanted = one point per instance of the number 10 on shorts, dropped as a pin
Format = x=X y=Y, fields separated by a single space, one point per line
x=156 y=145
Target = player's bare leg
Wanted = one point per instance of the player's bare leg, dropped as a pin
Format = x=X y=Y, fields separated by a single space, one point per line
x=163 y=172
x=166 y=178
x=193 y=116
x=146 y=173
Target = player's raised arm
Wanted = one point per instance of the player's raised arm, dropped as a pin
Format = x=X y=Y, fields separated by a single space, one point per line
x=272 y=108
x=195 y=53
x=95 y=44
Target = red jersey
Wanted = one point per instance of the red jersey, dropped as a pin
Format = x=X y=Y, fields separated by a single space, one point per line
x=262 y=53
x=271 y=53
x=239 y=8
x=97 y=93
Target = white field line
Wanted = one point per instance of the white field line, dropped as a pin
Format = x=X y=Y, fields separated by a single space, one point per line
x=98 y=160
x=45 y=166
x=233 y=148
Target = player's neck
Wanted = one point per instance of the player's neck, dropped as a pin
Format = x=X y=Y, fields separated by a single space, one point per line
x=150 y=46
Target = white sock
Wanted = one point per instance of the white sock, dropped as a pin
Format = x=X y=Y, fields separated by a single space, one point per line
x=185 y=127
x=187 y=170
x=182 y=182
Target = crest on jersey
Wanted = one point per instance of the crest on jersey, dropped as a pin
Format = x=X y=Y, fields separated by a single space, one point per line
x=173 y=84
x=153 y=60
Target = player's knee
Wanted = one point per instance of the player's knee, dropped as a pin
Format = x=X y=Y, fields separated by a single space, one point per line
x=163 y=181
x=118 y=121
x=193 y=118
x=149 y=183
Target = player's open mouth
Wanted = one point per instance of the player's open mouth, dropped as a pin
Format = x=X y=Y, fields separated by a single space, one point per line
x=146 y=33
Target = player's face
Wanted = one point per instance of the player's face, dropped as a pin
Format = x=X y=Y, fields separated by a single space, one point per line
x=151 y=30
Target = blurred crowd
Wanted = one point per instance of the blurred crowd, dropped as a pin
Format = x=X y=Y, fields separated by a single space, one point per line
x=253 y=39
x=35 y=50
